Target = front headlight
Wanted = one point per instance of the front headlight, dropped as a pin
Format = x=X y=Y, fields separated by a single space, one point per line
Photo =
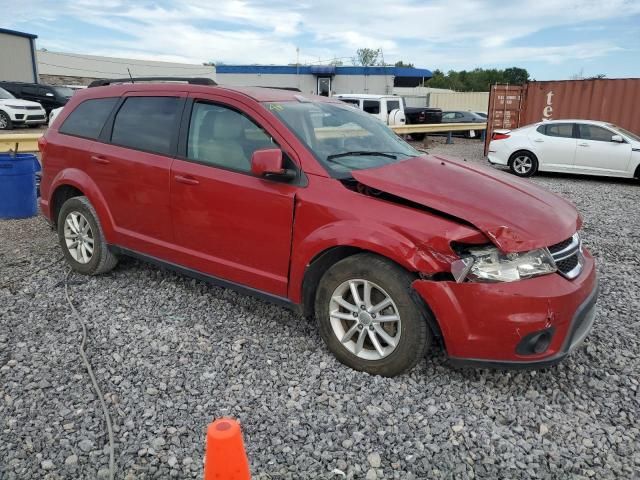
x=488 y=264
x=16 y=107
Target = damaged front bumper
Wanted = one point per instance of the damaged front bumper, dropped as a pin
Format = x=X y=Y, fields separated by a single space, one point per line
x=527 y=323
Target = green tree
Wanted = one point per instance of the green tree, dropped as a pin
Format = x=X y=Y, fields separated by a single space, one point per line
x=477 y=80
x=516 y=76
x=367 y=57
x=400 y=63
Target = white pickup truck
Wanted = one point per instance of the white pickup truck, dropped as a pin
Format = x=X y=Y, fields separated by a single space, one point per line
x=392 y=110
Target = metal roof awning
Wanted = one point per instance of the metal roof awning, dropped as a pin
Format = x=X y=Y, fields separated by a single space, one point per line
x=323 y=69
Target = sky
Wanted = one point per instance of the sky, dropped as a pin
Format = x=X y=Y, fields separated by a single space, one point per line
x=552 y=39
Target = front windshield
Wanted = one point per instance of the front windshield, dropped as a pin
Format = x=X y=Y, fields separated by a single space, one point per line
x=4 y=95
x=341 y=137
x=625 y=132
x=64 y=91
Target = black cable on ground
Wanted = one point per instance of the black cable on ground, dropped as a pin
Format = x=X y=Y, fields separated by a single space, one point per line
x=87 y=365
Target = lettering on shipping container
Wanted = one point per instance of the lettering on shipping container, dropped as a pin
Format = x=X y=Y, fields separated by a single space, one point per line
x=547 y=111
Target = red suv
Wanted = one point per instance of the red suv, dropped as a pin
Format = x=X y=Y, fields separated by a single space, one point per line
x=310 y=203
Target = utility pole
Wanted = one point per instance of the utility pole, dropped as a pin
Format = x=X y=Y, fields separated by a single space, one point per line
x=298 y=66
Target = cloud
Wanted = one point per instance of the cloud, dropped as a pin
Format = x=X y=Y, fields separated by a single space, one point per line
x=438 y=33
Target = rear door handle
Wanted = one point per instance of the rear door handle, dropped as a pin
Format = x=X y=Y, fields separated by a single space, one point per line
x=583 y=144
x=186 y=180
x=539 y=140
x=100 y=159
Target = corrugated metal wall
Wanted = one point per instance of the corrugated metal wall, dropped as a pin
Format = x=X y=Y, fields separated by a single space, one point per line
x=375 y=84
x=16 y=60
x=92 y=66
x=474 y=101
x=610 y=100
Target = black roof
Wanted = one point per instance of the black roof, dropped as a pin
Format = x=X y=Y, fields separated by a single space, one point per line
x=18 y=34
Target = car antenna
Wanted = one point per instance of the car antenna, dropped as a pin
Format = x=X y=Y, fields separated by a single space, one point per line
x=130 y=76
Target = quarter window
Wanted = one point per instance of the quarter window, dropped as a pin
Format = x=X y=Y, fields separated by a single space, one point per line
x=592 y=132
x=146 y=123
x=560 y=130
x=223 y=137
x=88 y=118
x=392 y=105
x=371 y=106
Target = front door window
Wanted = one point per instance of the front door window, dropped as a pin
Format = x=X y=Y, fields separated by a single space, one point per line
x=324 y=86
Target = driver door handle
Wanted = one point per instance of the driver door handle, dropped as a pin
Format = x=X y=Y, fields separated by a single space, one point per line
x=539 y=140
x=583 y=144
x=186 y=180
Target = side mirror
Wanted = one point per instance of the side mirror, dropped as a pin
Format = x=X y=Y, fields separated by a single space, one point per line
x=269 y=163
x=617 y=138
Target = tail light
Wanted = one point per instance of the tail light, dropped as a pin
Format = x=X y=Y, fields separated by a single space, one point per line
x=500 y=136
x=42 y=143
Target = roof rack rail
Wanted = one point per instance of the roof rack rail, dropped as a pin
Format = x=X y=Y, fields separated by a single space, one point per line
x=192 y=81
x=291 y=89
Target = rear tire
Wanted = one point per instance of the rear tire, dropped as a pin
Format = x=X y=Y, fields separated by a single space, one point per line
x=523 y=163
x=5 y=121
x=81 y=238
x=366 y=337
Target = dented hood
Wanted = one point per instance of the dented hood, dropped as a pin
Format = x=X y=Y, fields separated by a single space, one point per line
x=514 y=213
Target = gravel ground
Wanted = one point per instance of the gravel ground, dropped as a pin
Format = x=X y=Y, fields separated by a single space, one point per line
x=171 y=354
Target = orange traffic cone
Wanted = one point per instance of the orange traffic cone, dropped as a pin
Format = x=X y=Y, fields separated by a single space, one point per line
x=225 y=458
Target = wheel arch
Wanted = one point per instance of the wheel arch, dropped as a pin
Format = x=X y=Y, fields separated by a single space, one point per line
x=322 y=262
x=523 y=150
x=71 y=183
x=60 y=195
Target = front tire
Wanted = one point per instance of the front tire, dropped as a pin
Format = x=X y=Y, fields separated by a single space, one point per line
x=367 y=317
x=523 y=164
x=81 y=238
x=5 y=121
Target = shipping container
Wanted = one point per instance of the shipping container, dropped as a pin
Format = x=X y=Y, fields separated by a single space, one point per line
x=610 y=100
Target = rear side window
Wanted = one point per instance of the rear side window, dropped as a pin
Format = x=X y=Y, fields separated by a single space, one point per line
x=29 y=91
x=146 y=123
x=560 y=130
x=371 y=106
x=88 y=118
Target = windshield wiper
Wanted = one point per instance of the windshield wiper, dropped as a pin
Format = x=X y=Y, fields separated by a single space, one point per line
x=361 y=153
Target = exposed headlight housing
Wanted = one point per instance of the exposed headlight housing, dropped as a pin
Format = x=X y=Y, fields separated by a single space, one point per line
x=488 y=264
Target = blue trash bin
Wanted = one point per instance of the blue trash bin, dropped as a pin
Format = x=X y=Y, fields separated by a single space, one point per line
x=18 y=197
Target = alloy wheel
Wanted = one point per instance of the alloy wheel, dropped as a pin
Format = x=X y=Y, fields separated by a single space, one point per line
x=365 y=319
x=522 y=164
x=3 y=122
x=78 y=237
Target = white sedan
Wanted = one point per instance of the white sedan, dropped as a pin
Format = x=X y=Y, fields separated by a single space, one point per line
x=573 y=146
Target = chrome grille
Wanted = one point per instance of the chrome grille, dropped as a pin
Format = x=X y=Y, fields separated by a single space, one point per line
x=567 y=256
